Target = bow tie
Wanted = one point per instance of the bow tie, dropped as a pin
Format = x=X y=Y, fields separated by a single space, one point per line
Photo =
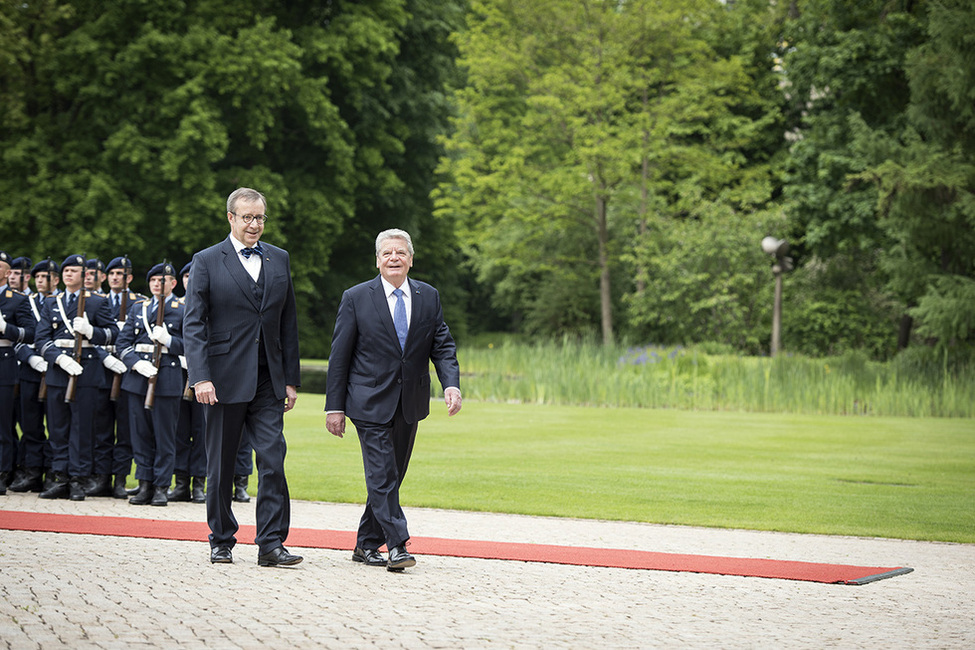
x=247 y=252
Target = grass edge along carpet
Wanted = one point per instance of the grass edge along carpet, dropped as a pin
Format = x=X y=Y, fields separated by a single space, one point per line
x=571 y=555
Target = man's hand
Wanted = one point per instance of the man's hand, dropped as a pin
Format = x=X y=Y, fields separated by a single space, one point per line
x=37 y=362
x=3 y=323
x=145 y=368
x=292 y=397
x=335 y=423
x=83 y=326
x=453 y=400
x=114 y=364
x=69 y=365
x=205 y=393
x=161 y=335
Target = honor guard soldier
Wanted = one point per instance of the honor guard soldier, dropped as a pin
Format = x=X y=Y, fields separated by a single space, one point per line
x=191 y=453
x=66 y=337
x=16 y=326
x=150 y=345
x=19 y=276
x=95 y=275
x=113 y=442
x=34 y=456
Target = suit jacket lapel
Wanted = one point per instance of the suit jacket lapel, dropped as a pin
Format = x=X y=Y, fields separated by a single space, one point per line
x=238 y=273
x=266 y=267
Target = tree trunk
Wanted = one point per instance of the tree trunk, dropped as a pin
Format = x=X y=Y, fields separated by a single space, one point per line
x=605 y=296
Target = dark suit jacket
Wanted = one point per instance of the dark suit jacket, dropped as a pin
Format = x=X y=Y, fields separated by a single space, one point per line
x=223 y=323
x=368 y=373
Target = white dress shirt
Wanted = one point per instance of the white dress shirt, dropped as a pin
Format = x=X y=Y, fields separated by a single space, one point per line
x=251 y=264
x=391 y=299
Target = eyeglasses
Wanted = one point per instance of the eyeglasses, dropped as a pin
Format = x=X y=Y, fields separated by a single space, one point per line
x=247 y=218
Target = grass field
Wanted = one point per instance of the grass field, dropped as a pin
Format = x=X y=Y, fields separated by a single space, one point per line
x=911 y=478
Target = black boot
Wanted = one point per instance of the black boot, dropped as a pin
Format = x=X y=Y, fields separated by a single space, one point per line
x=180 y=491
x=119 y=491
x=199 y=489
x=240 y=489
x=56 y=487
x=78 y=485
x=100 y=486
x=143 y=494
x=159 y=497
x=29 y=480
x=4 y=477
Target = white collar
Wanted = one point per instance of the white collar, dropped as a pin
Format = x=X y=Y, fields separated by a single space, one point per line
x=388 y=288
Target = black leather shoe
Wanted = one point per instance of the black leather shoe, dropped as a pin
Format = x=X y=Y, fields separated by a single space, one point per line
x=240 y=490
x=58 y=488
x=181 y=489
x=119 y=491
x=100 y=486
x=159 y=497
x=278 y=557
x=4 y=477
x=143 y=495
x=199 y=493
x=221 y=555
x=28 y=481
x=399 y=559
x=78 y=485
x=368 y=556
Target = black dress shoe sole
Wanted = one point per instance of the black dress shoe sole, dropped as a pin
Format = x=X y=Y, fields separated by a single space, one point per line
x=292 y=562
x=362 y=560
x=221 y=560
x=402 y=564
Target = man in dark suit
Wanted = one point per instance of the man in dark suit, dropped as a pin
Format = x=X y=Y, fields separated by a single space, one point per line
x=240 y=336
x=387 y=332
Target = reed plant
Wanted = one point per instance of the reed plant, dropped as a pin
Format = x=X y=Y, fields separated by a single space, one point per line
x=590 y=374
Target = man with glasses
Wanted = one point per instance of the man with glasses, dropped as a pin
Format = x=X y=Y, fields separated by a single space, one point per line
x=241 y=341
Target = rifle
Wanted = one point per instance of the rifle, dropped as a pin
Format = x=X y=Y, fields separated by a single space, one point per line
x=42 y=387
x=78 y=338
x=123 y=311
x=156 y=355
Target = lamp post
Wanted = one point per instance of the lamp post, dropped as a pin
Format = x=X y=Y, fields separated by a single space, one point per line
x=777 y=248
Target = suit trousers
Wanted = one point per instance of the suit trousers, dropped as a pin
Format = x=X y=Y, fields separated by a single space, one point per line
x=8 y=434
x=386 y=450
x=263 y=418
x=71 y=429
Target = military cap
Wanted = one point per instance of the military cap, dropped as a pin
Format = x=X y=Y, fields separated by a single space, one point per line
x=42 y=267
x=186 y=269
x=97 y=264
x=163 y=268
x=22 y=263
x=73 y=260
x=4 y=257
x=119 y=263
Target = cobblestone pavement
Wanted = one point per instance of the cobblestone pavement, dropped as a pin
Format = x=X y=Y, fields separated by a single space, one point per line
x=85 y=591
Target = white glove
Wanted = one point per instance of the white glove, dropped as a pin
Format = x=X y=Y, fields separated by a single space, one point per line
x=82 y=326
x=69 y=365
x=145 y=368
x=161 y=335
x=3 y=322
x=114 y=364
x=37 y=363
x=182 y=362
x=121 y=324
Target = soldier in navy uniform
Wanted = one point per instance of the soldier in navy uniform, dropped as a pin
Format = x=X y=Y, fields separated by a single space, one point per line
x=71 y=425
x=19 y=276
x=34 y=456
x=113 y=442
x=154 y=430
x=32 y=452
x=16 y=326
x=191 y=454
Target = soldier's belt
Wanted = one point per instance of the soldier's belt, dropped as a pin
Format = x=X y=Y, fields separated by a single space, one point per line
x=149 y=348
x=69 y=343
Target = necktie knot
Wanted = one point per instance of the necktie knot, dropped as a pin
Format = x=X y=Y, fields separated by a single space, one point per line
x=247 y=252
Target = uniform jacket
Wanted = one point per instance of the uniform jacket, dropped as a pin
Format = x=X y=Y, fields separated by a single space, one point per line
x=26 y=350
x=134 y=345
x=15 y=308
x=368 y=373
x=54 y=327
x=224 y=323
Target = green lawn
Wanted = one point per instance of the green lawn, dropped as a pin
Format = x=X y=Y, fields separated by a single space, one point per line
x=911 y=478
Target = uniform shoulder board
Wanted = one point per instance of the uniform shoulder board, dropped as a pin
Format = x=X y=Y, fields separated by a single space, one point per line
x=133 y=295
x=9 y=294
x=174 y=304
x=87 y=293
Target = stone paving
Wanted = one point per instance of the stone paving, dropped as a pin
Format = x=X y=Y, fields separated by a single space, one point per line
x=85 y=591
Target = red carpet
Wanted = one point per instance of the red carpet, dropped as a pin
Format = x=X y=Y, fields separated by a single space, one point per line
x=345 y=540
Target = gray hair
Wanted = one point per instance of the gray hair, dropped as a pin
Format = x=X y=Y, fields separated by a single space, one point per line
x=394 y=233
x=244 y=194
